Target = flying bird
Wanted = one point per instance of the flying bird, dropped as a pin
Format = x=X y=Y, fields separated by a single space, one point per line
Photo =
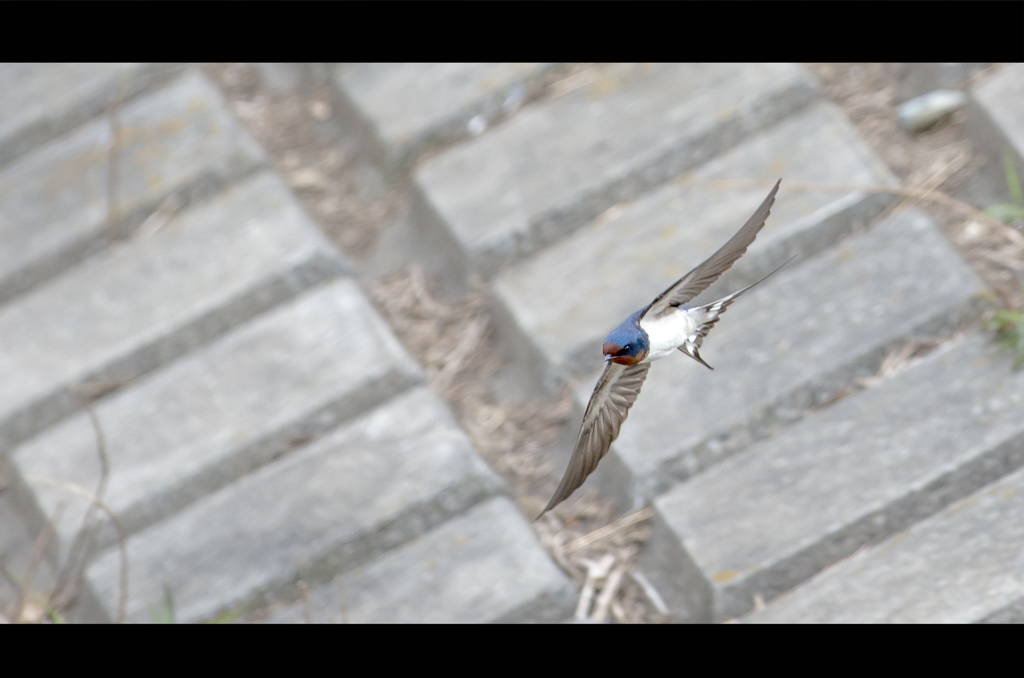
x=652 y=333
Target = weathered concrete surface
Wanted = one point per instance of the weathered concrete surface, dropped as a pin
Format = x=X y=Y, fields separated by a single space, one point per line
x=995 y=123
x=485 y=566
x=187 y=430
x=42 y=101
x=54 y=203
x=405 y=109
x=772 y=516
x=370 y=486
x=563 y=301
x=559 y=164
x=963 y=565
x=143 y=302
x=775 y=360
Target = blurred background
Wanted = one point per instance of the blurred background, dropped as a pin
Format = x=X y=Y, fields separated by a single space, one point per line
x=312 y=342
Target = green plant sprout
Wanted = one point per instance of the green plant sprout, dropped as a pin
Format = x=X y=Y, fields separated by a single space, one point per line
x=163 y=612
x=1009 y=329
x=1009 y=212
x=1007 y=324
x=54 y=616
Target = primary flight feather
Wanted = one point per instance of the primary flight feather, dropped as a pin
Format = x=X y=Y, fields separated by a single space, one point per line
x=652 y=333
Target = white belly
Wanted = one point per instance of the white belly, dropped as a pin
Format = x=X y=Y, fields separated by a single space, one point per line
x=667 y=333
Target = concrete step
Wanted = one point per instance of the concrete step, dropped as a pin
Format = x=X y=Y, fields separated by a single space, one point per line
x=772 y=516
x=143 y=302
x=962 y=565
x=559 y=164
x=555 y=309
x=484 y=566
x=54 y=202
x=369 y=486
x=995 y=124
x=403 y=110
x=786 y=348
x=202 y=422
x=42 y=101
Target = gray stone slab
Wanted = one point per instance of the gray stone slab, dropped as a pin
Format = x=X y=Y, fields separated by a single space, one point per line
x=485 y=566
x=995 y=123
x=185 y=431
x=42 y=101
x=559 y=164
x=143 y=302
x=333 y=505
x=54 y=203
x=963 y=565
x=784 y=349
x=406 y=109
x=565 y=300
x=772 y=516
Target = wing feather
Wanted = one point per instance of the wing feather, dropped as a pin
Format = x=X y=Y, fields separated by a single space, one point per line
x=701 y=277
x=614 y=394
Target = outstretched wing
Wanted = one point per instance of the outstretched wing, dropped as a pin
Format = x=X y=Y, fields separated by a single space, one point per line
x=615 y=393
x=700 y=278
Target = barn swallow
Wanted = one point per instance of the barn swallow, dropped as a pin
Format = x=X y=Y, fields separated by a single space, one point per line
x=652 y=333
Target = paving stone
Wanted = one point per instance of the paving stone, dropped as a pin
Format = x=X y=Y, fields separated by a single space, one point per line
x=54 y=202
x=485 y=566
x=556 y=308
x=965 y=564
x=772 y=516
x=995 y=123
x=372 y=485
x=42 y=101
x=786 y=348
x=143 y=302
x=559 y=164
x=197 y=425
x=405 y=109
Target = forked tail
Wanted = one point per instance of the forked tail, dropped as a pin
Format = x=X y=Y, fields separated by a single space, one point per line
x=712 y=312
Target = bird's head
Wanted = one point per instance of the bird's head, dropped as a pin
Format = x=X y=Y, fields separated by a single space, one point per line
x=627 y=344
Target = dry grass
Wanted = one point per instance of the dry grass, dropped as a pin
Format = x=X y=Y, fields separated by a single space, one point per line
x=939 y=159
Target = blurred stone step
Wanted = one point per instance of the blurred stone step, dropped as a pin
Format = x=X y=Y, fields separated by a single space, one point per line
x=556 y=308
x=42 y=101
x=148 y=300
x=560 y=163
x=484 y=566
x=191 y=428
x=788 y=347
x=403 y=110
x=370 y=486
x=995 y=124
x=54 y=202
x=965 y=564
x=772 y=516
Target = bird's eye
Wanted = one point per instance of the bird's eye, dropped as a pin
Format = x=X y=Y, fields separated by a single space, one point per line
x=625 y=349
